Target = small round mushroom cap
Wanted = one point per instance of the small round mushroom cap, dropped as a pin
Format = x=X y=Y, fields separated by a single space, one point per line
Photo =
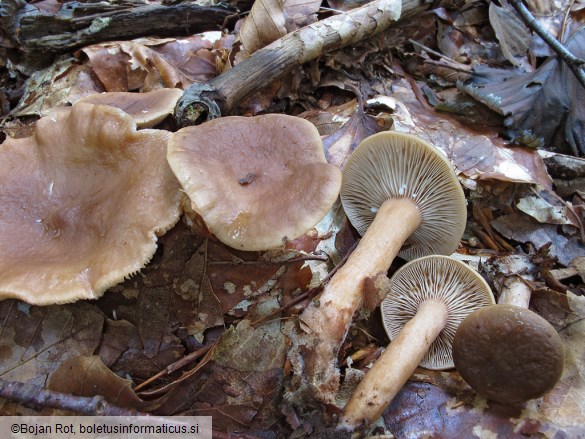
x=508 y=354
x=256 y=181
x=83 y=201
x=438 y=278
x=147 y=109
x=396 y=165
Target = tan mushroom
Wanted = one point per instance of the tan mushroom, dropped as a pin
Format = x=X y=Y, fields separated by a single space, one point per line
x=506 y=352
x=83 y=201
x=428 y=299
x=147 y=109
x=256 y=181
x=403 y=196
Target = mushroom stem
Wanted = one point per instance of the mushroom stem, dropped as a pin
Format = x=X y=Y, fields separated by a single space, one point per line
x=516 y=292
x=396 y=364
x=330 y=318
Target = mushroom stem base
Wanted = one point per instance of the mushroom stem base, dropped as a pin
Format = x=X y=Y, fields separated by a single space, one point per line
x=329 y=318
x=396 y=364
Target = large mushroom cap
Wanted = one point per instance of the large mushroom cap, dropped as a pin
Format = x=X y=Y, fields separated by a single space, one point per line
x=255 y=181
x=396 y=165
x=440 y=278
x=83 y=201
x=508 y=354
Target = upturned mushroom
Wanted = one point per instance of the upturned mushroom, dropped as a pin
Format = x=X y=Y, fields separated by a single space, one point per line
x=428 y=299
x=506 y=352
x=257 y=182
x=83 y=202
x=403 y=196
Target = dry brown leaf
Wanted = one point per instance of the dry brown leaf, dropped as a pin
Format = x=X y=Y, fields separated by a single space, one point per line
x=478 y=154
x=511 y=32
x=271 y=19
x=36 y=340
x=88 y=376
x=264 y=24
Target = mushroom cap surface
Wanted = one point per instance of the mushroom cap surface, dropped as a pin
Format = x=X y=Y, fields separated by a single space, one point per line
x=508 y=354
x=440 y=278
x=147 y=109
x=256 y=181
x=83 y=201
x=396 y=165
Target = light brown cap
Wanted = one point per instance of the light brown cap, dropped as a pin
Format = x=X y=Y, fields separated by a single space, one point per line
x=83 y=201
x=441 y=278
x=256 y=181
x=508 y=354
x=396 y=165
x=147 y=109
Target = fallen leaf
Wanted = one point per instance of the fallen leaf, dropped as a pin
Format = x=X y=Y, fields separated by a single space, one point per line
x=88 y=376
x=510 y=31
x=523 y=228
x=551 y=93
x=36 y=340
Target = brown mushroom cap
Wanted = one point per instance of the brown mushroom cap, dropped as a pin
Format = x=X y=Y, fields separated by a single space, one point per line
x=147 y=109
x=83 y=201
x=508 y=354
x=256 y=181
x=438 y=278
x=396 y=165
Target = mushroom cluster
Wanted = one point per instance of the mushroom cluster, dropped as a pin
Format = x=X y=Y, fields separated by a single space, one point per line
x=403 y=196
x=428 y=299
x=83 y=202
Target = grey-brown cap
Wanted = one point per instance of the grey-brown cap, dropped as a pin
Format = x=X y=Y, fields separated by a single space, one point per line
x=508 y=354
x=83 y=201
x=256 y=181
x=439 y=278
x=397 y=165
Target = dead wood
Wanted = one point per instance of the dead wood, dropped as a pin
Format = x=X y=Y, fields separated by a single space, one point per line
x=204 y=101
x=80 y=24
x=37 y=398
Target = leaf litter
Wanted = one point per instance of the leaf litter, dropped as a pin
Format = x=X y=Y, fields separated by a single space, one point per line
x=225 y=313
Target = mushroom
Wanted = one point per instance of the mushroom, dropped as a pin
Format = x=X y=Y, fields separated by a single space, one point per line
x=257 y=182
x=83 y=201
x=403 y=196
x=506 y=352
x=428 y=298
x=147 y=109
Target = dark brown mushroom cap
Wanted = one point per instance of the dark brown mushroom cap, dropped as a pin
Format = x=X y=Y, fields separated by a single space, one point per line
x=439 y=278
x=83 y=201
x=508 y=354
x=147 y=109
x=255 y=181
x=396 y=165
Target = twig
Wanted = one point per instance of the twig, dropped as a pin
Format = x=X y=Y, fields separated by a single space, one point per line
x=176 y=365
x=35 y=397
x=571 y=60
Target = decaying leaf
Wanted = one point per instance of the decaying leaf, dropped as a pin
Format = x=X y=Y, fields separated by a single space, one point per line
x=271 y=19
x=551 y=94
x=36 y=340
x=523 y=228
x=510 y=31
x=478 y=154
x=88 y=376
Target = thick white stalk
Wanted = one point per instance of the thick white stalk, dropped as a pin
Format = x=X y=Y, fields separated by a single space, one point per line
x=515 y=292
